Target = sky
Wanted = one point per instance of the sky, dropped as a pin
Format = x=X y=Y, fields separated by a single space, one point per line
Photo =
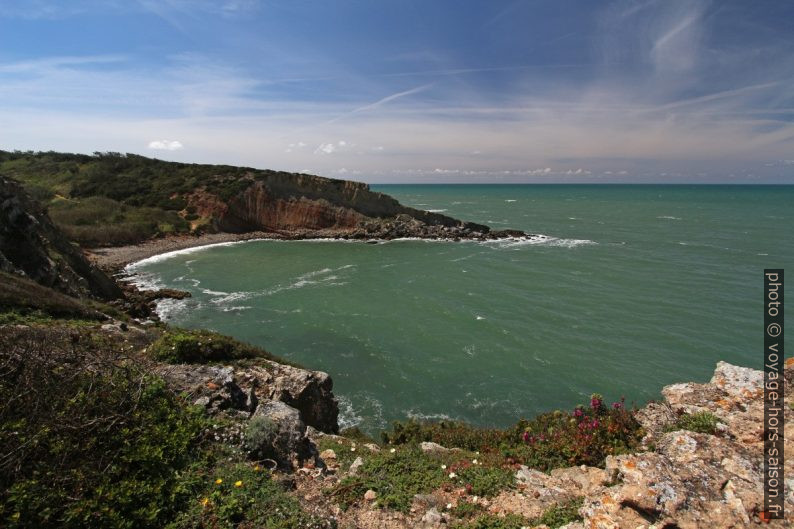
x=391 y=91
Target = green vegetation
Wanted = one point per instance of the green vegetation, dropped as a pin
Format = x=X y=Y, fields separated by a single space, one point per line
x=243 y=495
x=445 y=433
x=561 y=514
x=492 y=521
x=184 y=346
x=101 y=221
x=113 y=198
x=700 y=422
x=483 y=480
x=23 y=299
x=551 y=440
x=395 y=477
x=90 y=439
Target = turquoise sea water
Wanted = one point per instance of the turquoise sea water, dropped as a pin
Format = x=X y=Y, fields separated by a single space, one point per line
x=633 y=288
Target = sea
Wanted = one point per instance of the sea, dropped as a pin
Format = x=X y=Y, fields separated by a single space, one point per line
x=623 y=289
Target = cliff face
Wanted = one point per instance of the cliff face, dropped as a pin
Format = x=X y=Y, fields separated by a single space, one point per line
x=32 y=246
x=311 y=205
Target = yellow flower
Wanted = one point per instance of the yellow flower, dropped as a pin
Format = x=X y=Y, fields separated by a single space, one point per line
x=205 y=501
x=238 y=483
x=218 y=481
x=257 y=468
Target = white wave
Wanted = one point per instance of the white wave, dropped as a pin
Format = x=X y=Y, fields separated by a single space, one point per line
x=419 y=416
x=480 y=317
x=668 y=217
x=539 y=240
x=185 y=251
x=236 y=308
x=368 y=408
x=169 y=308
x=470 y=350
x=214 y=292
x=510 y=200
x=436 y=210
x=144 y=280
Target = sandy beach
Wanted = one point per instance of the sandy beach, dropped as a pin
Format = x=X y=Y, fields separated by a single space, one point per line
x=114 y=258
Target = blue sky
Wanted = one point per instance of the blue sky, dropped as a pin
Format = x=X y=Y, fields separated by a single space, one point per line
x=411 y=91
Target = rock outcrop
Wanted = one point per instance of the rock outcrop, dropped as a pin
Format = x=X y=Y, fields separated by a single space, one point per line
x=30 y=245
x=684 y=479
x=301 y=206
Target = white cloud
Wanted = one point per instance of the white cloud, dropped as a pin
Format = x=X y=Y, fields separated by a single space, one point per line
x=165 y=145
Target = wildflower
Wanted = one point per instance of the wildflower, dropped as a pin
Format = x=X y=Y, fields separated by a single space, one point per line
x=578 y=412
x=352 y=448
x=393 y=450
x=452 y=475
x=443 y=467
x=205 y=501
x=257 y=468
x=595 y=401
x=449 y=506
x=617 y=405
x=473 y=461
x=526 y=437
x=238 y=484
x=218 y=481
x=595 y=424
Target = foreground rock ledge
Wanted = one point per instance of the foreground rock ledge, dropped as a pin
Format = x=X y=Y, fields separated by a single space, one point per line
x=684 y=480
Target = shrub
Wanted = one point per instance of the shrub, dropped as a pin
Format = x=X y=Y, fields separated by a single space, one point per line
x=241 y=495
x=396 y=477
x=481 y=480
x=91 y=441
x=183 y=346
x=700 y=422
x=561 y=514
x=446 y=433
x=259 y=432
x=585 y=436
x=492 y=521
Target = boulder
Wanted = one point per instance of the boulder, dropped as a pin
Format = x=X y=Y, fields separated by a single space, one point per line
x=277 y=432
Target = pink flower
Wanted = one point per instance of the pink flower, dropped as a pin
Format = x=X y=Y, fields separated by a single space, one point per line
x=594 y=424
x=526 y=437
x=578 y=412
x=595 y=403
x=617 y=405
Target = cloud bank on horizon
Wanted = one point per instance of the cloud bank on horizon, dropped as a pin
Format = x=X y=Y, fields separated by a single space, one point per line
x=411 y=91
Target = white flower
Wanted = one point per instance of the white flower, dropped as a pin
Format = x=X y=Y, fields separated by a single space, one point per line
x=393 y=450
x=443 y=467
x=352 y=448
x=449 y=506
x=452 y=475
x=473 y=461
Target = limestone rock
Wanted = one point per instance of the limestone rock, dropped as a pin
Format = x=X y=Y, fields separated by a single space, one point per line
x=277 y=432
x=370 y=495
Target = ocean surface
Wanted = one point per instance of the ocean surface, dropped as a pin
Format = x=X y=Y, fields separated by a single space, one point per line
x=629 y=288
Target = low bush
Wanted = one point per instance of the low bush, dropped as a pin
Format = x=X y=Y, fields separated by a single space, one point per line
x=183 y=346
x=700 y=422
x=446 y=433
x=89 y=440
x=481 y=480
x=395 y=477
x=560 y=514
x=243 y=495
x=585 y=436
x=492 y=521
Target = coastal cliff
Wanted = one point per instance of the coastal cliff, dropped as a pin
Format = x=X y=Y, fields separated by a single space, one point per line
x=111 y=199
